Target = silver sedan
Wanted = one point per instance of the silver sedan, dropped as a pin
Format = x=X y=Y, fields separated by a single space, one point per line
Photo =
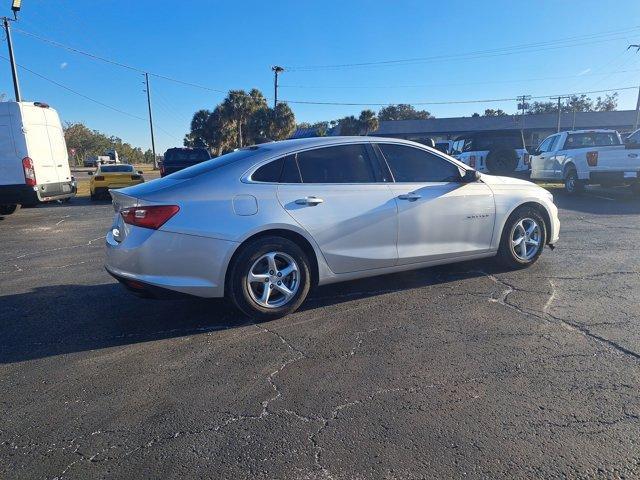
x=264 y=224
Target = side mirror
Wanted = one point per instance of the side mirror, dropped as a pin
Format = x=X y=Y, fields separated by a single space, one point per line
x=140 y=172
x=470 y=176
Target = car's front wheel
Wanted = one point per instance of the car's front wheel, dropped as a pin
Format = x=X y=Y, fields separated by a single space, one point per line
x=523 y=238
x=269 y=278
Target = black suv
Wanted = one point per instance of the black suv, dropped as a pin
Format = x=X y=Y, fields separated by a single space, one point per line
x=178 y=158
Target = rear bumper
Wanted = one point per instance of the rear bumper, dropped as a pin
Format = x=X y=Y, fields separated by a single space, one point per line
x=181 y=263
x=615 y=177
x=25 y=195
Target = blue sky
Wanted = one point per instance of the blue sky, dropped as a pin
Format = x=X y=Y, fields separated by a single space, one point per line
x=227 y=45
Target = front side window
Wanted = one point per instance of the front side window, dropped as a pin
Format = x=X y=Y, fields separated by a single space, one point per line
x=338 y=164
x=544 y=146
x=409 y=164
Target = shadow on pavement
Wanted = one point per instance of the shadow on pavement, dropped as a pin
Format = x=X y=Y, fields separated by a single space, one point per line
x=599 y=201
x=62 y=319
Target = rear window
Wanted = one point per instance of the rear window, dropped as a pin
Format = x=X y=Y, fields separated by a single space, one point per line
x=591 y=139
x=214 y=163
x=183 y=156
x=116 y=168
x=490 y=142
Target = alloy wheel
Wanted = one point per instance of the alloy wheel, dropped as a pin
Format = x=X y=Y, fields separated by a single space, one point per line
x=273 y=279
x=525 y=239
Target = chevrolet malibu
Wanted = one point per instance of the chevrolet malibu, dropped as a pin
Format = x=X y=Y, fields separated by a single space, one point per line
x=264 y=224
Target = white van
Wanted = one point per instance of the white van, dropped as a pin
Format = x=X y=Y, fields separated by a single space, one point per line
x=34 y=163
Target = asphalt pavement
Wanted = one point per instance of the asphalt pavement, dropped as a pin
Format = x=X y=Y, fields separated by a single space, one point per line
x=449 y=372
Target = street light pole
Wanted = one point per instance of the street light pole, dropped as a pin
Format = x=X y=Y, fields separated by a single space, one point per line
x=276 y=70
x=153 y=141
x=12 y=60
x=635 y=126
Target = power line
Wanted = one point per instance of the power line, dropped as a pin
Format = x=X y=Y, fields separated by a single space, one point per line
x=114 y=62
x=75 y=92
x=362 y=87
x=596 y=37
x=452 y=102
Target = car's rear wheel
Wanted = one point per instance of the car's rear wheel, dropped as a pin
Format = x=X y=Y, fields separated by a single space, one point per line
x=572 y=184
x=523 y=238
x=269 y=278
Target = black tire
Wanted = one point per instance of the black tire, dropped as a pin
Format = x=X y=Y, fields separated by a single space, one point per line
x=8 y=209
x=93 y=197
x=502 y=161
x=506 y=254
x=237 y=287
x=572 y=184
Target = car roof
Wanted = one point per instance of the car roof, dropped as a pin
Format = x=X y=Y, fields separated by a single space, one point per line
x=284 y=146
x=591 y=130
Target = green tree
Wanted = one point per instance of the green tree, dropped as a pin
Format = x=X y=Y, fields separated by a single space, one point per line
x=402 y=112
x=608 y=103
x=349 y=125
x=368 y=121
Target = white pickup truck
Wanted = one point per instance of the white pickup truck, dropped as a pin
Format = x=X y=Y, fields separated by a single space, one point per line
x=582 y=157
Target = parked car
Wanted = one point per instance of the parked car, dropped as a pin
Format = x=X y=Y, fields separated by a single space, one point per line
x=100 y=160
x=582 y=157
x=263 y=224
x=34 y=163
x=108 y=177
x=497 y=152
x=175 y=159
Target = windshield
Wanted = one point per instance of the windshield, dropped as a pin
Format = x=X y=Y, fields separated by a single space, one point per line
x=214 y=163
x=186 y=156
x=116 y=168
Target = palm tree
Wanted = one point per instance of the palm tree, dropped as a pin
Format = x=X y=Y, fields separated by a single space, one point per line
x=368 y=121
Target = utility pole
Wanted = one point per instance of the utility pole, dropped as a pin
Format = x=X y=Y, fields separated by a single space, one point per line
x=14 y=71
x=635 y=126
x=523 y=105
x=276 y=70
x=153 y=141
x=559 y=98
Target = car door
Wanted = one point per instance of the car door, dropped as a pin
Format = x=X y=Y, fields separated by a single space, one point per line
x=539 y=166
x=338 y=195
x=439 y=216
x=554 y=159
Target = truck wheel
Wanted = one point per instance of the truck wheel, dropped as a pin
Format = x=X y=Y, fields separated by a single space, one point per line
x=8 y=209
x=572 y=184
x=502 y=161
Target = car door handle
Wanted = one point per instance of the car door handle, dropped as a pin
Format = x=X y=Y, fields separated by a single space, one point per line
x=411 y=196
x=312 y=201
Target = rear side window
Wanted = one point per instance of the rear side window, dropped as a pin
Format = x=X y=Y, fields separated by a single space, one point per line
x=591 y=139
x=269 y=172
x=339 y=164
x=409 y=164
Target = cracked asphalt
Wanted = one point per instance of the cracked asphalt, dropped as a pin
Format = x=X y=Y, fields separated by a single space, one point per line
x=463 y=370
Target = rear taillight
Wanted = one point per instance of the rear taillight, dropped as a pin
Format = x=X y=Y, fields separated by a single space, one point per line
x=526 y=159
x=592 y=159
x=162 y=170
x=99 y=178
x=153 y=216
x=472 y=161
x=135 y=177
x=29 y=172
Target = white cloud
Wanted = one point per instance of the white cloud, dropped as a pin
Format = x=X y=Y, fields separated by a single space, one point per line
x=63 y=65
x=584 y=72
